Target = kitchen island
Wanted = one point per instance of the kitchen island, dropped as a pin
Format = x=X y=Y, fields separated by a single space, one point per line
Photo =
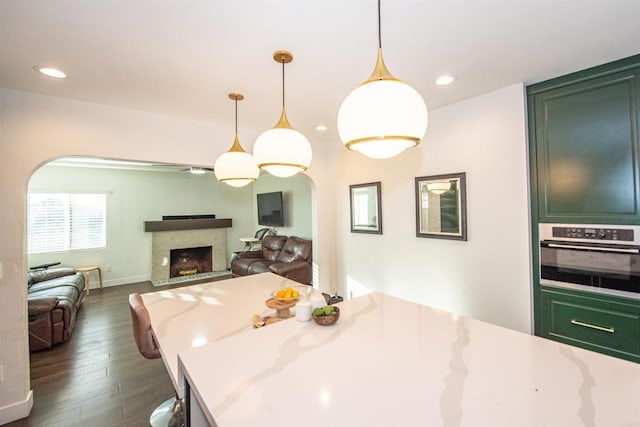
x=390 y=362
x=193 y=316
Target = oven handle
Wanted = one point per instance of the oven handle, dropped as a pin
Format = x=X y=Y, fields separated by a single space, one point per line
x=594 y=248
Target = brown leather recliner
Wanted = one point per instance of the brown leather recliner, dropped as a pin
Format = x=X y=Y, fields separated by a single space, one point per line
x=54 y=297
x=287 y=256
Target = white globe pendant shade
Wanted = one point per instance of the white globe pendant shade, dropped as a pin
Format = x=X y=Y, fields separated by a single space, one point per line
x=383 y=116
x=282 y=151
x=236 y=168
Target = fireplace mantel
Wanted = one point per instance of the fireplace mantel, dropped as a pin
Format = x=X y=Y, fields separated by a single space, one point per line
x=186 y=224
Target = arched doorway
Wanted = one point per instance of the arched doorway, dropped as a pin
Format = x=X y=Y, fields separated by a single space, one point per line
x=124 y=186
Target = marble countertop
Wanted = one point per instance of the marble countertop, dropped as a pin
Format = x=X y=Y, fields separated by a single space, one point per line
x=396 y=363
x=193 y=316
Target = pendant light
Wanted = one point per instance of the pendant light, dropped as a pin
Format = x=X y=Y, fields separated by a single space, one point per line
x=383 y=116
x=282 y=151
x=236 y=167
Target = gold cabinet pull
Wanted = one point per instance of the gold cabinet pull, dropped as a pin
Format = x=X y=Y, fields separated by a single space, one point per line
x=589 y=325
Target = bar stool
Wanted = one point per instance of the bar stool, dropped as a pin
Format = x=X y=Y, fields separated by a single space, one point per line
x=169 y=413
x=87 y=276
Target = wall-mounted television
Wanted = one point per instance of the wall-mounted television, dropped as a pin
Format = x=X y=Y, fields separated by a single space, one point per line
x=270 y=211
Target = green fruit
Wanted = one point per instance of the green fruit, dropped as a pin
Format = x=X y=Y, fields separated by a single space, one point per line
x=318 y=311
x=328 y=310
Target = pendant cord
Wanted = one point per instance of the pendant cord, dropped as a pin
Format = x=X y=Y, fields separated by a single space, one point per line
x=236 y=116
x=283 y=83
x=379 y=28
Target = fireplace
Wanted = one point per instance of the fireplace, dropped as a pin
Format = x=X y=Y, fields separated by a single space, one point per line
x=190 y=261
x=170 y=238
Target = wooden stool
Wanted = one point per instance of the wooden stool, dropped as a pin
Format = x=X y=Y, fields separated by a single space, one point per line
x=87 y=276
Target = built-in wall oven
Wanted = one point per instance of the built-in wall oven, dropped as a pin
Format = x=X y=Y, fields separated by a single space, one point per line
x=599 y=258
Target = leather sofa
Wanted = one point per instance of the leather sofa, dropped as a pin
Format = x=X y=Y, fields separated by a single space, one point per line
x=287 y=256
x=54 y=297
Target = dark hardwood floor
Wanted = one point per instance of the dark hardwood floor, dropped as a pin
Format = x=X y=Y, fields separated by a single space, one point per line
x=98 y=377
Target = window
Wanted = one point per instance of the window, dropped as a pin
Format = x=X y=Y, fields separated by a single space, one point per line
x=361 y=201
x=63 y=222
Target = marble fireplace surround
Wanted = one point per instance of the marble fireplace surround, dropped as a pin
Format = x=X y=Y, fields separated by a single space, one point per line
x=189 y=233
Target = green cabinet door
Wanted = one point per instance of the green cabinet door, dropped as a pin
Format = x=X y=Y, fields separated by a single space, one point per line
x=585 y=132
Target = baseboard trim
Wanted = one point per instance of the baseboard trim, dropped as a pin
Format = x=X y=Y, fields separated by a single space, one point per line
x=17 y=410
x=120 y=281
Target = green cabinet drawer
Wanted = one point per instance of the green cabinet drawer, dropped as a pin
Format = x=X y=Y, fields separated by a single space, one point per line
x=593 y=322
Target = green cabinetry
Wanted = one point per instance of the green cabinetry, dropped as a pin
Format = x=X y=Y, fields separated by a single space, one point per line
x=585 y=130
x=584 y=154
x=602 y=323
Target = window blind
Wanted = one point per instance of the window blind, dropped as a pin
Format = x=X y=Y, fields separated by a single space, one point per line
x=63 y=222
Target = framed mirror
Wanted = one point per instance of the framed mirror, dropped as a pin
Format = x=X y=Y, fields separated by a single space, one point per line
x=441 y=208
x=366 y=210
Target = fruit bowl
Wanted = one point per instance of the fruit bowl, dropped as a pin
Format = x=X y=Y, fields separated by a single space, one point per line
x=297 y=292
x=327 y=319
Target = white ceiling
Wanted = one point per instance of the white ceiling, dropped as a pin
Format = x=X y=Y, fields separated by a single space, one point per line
x=182 y=57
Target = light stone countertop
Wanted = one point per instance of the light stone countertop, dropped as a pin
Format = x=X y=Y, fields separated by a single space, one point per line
x=390 y=362
x=193 y=316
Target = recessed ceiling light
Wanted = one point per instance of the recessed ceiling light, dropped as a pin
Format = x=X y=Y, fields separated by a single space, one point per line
x=321 y=128
x=49 y=71
x=444 y=80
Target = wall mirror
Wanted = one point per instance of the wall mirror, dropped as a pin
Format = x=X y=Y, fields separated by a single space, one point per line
x=366 y=210
x=441 y=210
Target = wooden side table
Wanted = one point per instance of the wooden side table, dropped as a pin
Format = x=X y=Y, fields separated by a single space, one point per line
x=87 y=276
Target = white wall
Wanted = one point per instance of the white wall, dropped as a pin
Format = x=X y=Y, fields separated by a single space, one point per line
x=486 y=277
x=136 y=196
x=296 y=201
x=35 y=129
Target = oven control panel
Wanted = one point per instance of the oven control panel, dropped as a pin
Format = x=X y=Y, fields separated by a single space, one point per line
x=616 y=234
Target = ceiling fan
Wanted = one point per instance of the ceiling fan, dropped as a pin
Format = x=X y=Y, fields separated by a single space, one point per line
x=196 y=170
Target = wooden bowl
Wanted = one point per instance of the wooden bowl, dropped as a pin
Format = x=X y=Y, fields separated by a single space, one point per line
x=327 y=320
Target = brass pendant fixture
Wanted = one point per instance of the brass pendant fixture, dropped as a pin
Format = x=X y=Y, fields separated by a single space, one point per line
x=236 y=167
x=282 y=151
x=383 y=116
